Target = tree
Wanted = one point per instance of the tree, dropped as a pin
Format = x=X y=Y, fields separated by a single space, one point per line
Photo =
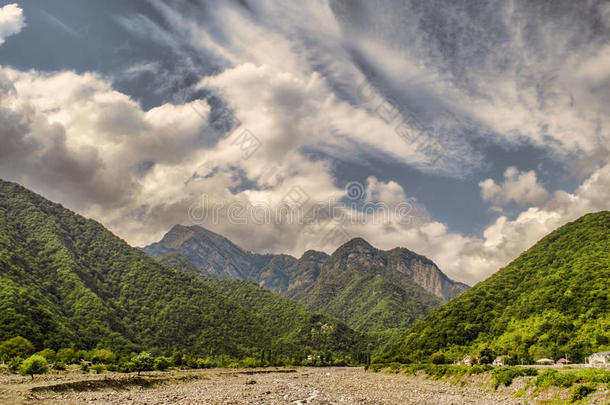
x=143 y=362
x=15 y=347
x=161 y=363
x=34 y=364
x=438 y=358
x=66 y=355
x=48 y=354
x=486 y=356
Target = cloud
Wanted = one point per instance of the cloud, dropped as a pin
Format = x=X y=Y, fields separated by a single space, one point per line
x=287 y=79
x=520 y=187
x=11 y=21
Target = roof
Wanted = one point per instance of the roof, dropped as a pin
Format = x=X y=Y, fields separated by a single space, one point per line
x=544 y=361
x=601 y=354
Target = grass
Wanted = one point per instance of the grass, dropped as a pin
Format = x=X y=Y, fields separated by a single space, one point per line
x=585 y=379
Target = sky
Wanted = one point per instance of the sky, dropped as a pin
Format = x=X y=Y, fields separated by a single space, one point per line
x=464 y=131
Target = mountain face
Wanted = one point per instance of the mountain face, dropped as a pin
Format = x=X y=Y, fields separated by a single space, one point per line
x=66 y=280
x=552 y=301
x=368 y=288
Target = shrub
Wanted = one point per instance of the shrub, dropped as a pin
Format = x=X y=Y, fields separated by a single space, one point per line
x=48 y=354
x=486 y=356
x=554 y=378
x=15 y=347
x=505 y=375
x=98 y=368
x=250 y=362
x=84 y=368
x=581 y=393
x=102 y=356
x=34 y=364
x=14 y=364
x=59 y=366
x=127 y=367
x=143 y=362
x=177 y=359
x=66 y=356
x=438 y=358
x=162 y=363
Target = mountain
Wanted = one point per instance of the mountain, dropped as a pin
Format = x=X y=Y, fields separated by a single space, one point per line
x=553 y=300
x=215 y=255
x=66 y=280
x=370 y=289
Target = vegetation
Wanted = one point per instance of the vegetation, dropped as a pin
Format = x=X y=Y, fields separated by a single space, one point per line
x=363 y=295
x=581 y=392
x=552 y=300
x=34 y=364
x=66 y=281
x=15 y=347
x=587 y=378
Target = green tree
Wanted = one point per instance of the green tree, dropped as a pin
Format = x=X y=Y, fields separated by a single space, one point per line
x=66 y=356
x=438 y=358
x=15 y=347
x=161 y=363
x=34 y=364
x=143 y=362
x=486 y=356
x=102 y=356
x=48 y=354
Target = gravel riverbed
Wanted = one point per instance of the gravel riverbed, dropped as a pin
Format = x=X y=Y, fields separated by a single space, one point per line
x=340 y=385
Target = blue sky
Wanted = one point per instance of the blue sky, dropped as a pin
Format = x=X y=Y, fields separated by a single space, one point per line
x=486 y=124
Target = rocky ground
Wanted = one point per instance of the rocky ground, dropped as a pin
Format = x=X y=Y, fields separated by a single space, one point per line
x=282 y=386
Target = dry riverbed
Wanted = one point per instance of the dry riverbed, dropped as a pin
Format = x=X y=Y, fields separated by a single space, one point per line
x=260 y=386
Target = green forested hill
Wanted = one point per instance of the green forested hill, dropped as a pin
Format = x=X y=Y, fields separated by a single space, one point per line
x=356 y=284
x=551 y=301
x=65 y=280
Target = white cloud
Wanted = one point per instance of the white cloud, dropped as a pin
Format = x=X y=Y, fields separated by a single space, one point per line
x=11 y=21
x=520 y=187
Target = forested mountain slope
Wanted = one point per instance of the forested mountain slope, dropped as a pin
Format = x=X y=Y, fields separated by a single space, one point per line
x=370 y=289
x=65 y=280
x=552 y=300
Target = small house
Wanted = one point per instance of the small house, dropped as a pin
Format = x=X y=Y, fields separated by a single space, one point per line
x=85 y=362
x=469 y=361
x=563 y=361
x=601 y=359
x=499 y=361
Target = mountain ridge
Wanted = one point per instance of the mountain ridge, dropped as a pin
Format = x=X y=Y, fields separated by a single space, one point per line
x=65 y=280
x=315 y=279
x=551 y=301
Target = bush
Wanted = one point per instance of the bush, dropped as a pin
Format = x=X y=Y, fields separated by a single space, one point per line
x=102 y=356
x=127 y=367
x=66 y=356
x=84 y=368
x=486 y=356
x=581 y=393
x=505 y=375
x=554 y=378
x=438 y=358
x=177 y=359
x=59 y=366
x=48 y=354
x=143 y=362
x=34 y=364
x=162 y=363
x=14 y=364
x=249 y=362
x=15 y=347
x=98 y=368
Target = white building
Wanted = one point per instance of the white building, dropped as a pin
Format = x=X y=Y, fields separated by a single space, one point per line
x=601 y=359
